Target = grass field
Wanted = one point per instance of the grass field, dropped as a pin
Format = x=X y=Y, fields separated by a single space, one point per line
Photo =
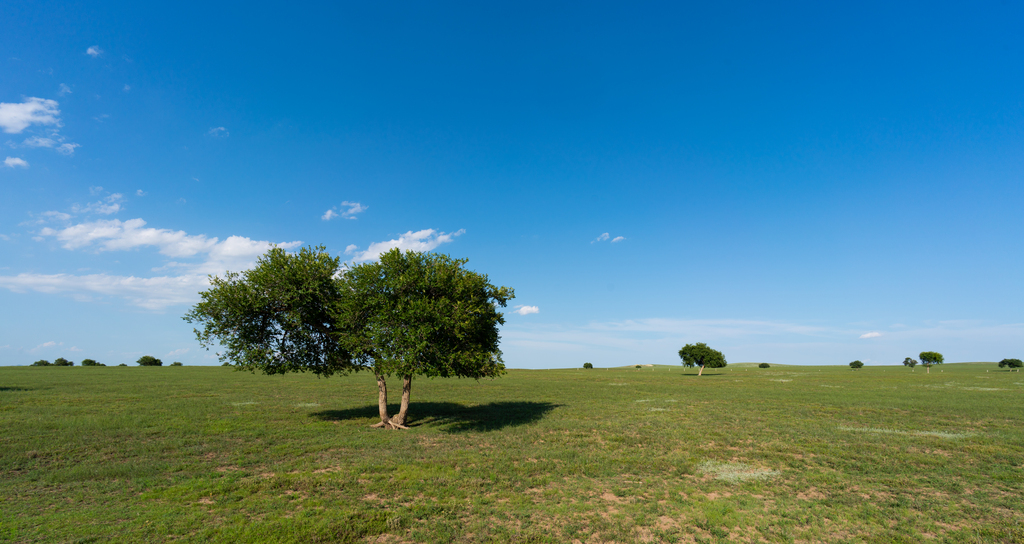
x=786 y=454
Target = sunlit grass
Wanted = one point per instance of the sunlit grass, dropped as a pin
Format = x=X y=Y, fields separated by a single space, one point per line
x=209 y=454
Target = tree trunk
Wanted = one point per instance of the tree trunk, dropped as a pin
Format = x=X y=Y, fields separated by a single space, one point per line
x=928 y=369
x=701 y=371
x=406 y=391
x=382 y=406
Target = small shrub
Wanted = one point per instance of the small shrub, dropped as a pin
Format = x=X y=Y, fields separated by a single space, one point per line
x=60 y=361
x=176 y=363
x=588 y=365
x=910 y=362
x=638 y=367
x=227 y=364
x=149 y=360
x=856 y=364
x=42 y=362
x=764 y=365
x=122 y=364
x=91 y=362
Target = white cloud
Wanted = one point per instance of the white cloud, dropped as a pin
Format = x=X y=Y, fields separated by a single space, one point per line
x=601 y=238
x=74 y=348
x=353 y=209
x=872 y=334
x=49 y=344
x=350 y=248
x=95 y=190
x=60 y=216
x=67 y=149
x=421 y=240
x=36 y=141
x=110 y=204
x=127 y=87
x=140 y=192
x=149 y=293
x=179 y=351
x=618 y=239
x=64 y=89
x=219 y=132
x=526 y=310
x=12 y=162
x=94 y=51
x=16 y=117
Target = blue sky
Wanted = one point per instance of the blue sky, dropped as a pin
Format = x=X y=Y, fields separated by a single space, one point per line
x=793 y=183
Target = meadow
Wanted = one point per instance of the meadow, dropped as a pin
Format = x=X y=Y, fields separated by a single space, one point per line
x=741 y=454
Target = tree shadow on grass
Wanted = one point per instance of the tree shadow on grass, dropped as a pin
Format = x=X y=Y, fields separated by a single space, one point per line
x=6 y=388
x=706 y=374
x=452 y=417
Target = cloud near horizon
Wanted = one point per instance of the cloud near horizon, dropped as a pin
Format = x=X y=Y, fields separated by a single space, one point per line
x=526 y=310
x=872 y=334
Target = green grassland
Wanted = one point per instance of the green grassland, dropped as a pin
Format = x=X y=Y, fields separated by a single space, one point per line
x=786 y=454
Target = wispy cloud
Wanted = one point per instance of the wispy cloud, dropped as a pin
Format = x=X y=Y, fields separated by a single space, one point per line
x=55 y=141
x=421 y=240
x=218 y=132
x=140 y=192
x=64 y=89
x=45 y=345
x=618 y=239
x=110 y=204
x=155 y=293
x=872 y=334
x=350 y=213
x=16 y=117
x=127 y=87
x=12 y=162
x=606 y=237
x=179 y=351
x=94 y=51
x=526 y=310
x=601 y=238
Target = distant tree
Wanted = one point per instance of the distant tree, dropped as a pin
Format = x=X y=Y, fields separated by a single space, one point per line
x=1012 y=363
x=638 y=367
x=856 y=364
x=588 y=366
x=176 y=363
x=701 y=355
x=149 y=360
x=60 y=361
x=929 y=358
x=764 y=365
x=42 y=362
x=122 y=364
x=910 y=362
x=91 y=362
x=227 y=364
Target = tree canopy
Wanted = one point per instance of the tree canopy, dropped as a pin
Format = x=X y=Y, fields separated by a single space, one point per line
x=856 y=364
x=407 y=314
x=149 y=360
x=909 y=362
x=60 y=361
x=1012 y=363
x=929 y=358
x=701 y=355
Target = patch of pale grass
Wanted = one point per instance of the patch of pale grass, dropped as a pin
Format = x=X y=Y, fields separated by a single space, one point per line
x=736 y=472
x=243 y=403
x=644 y=400
x=780 y=381
x=938 y=434
x=833 y=386
x=307 y=405
x=618 y=384
x=657 y=409
x=983 y=389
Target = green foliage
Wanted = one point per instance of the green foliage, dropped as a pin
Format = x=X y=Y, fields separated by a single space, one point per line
x=122 y=364
x=700 y=354
x=421 y=314
x=176 y=363
x=929 y=358
x=91 y=362
x=149 y=360
x=279 y=316
x=42 y=362
x=1012 y=363
x=60 y=361
x=227 y=364
x=588 y=365
x=909 y=362
x=856 y=364
x=764 y=365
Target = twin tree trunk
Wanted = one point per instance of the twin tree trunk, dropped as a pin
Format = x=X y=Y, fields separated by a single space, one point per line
x=386 y=421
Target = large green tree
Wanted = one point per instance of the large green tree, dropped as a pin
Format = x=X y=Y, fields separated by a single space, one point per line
x=929 y=358
x=407 y=314
x=421 y=314
x=1012 y=363
x=701 y=355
